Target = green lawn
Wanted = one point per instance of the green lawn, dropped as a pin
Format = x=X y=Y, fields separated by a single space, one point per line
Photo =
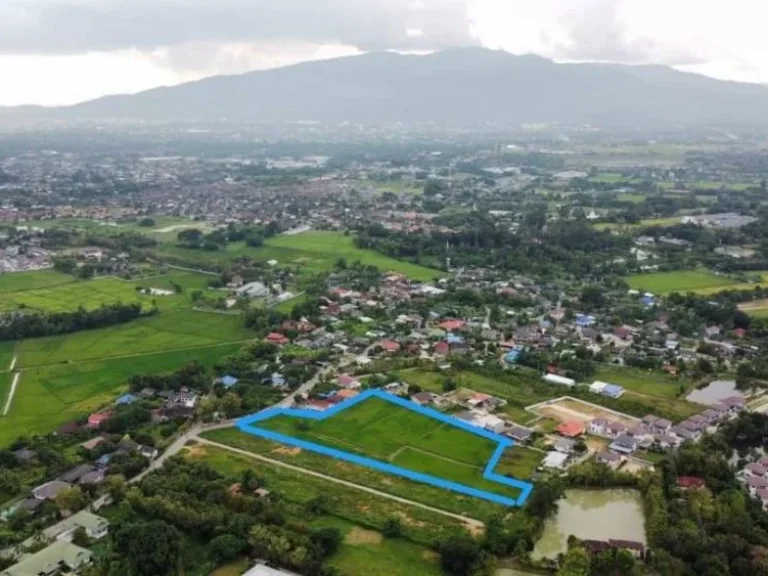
x=48 y=396
x=7 y=351
x=401 y=487
x=312 y=252
x=346 y=504
x=390 y=433
x=680 y=281
x=644 y=382
x=54 y=292
x=651 y=222
x=172 y=330
x=519 y=462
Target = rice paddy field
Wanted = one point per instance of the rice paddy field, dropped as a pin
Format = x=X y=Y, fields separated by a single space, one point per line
x=65 y=377
x=49 y=396
x=389 y=433
x=311 y=252
x=699 y=281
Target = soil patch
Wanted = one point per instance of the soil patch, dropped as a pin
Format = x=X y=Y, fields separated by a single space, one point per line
x=359 y=536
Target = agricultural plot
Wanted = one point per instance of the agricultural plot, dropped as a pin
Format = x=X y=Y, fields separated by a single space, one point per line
x=651 y=222
x=649 y=383
x=48 y=396
x=173 y=330
x=680 y=281
x=311 y=252
x=395 y=436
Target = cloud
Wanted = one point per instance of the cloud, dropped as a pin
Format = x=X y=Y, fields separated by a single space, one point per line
x=78 y=26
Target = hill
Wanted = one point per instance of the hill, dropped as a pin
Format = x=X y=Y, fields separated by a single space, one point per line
x=456 y=87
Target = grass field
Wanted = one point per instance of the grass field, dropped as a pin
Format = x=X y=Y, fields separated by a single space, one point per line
x=679 y=281
x=363 y=476
x=519 y=462
x=349 y=505
x=48 y=396
x=642 y=382
x=651 y=222
x=312 y=252
x=390 y=433
x=167 y=331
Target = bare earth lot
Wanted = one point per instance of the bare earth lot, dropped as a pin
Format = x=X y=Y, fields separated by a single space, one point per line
x=567 y=409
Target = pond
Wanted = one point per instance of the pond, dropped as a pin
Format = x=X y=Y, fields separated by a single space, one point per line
x=714 y=392
x=593 y=515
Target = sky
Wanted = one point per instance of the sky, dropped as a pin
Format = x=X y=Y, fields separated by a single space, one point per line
x=56 y=52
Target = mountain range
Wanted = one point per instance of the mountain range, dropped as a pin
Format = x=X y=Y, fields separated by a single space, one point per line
x=461 y=87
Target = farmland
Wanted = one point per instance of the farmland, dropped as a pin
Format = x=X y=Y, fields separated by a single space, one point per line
x=311 y=252
x=48 y=396
x=394 y=485
x=389 y=433
x=680 y=281
x=356 y=514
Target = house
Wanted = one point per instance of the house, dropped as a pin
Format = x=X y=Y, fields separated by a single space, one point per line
x=227 y=381
x=92 y=478
x=125 y=400
x=277 y=338
x=571 y=429
x=318 y=405
x=762 y=495
x=610 y=459
x=347 y=381
x=61 y=556
x=565 y=445
x=513 y=356
x=755 y=483
x=235 y=282
x=264 y=570
x=95 y=526
x=74 y=474
x=683 y=433
x=49 y=490
x=666 y=441
x=424 y=398
x=480 y=400
x=625 y=444
x=555 y=460
x=661 y=425
x=755 y=469
x=389 y=346
x=519 y=434
x=442 y=348
x=690 y=482
x=96 y=419
x=559 y=380
x=92 y=443
x=452 y=325
x=635 y=548
x=598 y=426
x=615 y=429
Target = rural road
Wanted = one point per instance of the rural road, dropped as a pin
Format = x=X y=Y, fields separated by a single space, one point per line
x=471 y=522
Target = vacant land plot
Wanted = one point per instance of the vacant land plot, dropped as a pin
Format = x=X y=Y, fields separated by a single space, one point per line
x=645 y=382
x=355 y=506
x=755 y=308
x=390 y=433
x=519 y=462
x=424 y=493
x=167 y=331
x=311 y=252
x=568 y=409
x=651 y=222
x=49 y=396
x=679 y=281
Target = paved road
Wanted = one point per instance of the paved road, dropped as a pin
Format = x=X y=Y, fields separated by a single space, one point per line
x=471 y=522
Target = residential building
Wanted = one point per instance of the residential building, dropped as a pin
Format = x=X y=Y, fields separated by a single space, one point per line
x=61 y=556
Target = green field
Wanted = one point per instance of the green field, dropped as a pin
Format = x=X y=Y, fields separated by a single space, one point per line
x=311 y=252
x=173 y=330
x=390 y=433
x=48 y=396
x=701 y=281
x=651 y=222
x=643 y=382
x=347 y=504
x=424 y=493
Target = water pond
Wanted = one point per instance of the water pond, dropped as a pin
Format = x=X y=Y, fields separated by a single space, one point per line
x=714 y=392
x=593 y=515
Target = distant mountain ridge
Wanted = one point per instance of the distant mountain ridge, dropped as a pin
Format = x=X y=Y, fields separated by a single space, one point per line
x=461 y=87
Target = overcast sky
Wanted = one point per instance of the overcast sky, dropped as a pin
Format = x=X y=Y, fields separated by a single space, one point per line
x=65 y=51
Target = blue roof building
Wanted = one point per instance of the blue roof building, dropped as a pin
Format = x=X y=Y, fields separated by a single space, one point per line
x=126 y=399
x=277 y=380
x=648 y=301
x=513 y=355
x=613 y=391
x=104 y=460
x=454 y=339
x=584 y=320
x=228 y=381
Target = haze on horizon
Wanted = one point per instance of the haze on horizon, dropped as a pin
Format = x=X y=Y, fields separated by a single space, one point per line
x=55 y=52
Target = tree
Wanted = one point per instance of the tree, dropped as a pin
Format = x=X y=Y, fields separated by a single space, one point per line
x=393 y=527
x=449 y=385
x=190 y=237
x=226 y=547
x=146 y=222
x=80 y=537
x=459 y=554
x=147 y=548
x=70 y=499
x=326 y=540
x=575 y=563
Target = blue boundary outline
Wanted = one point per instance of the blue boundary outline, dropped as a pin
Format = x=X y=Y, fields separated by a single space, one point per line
x=247 y=424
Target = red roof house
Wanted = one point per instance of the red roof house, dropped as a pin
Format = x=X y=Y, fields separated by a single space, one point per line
x=442 y=348
x=450 y=325
x=571 y=429
x=389 y=345
x=277 y=338
x=96 y=419
x=690 y=482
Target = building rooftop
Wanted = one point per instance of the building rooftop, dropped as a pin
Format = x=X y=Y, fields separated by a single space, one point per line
x=49 y=559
